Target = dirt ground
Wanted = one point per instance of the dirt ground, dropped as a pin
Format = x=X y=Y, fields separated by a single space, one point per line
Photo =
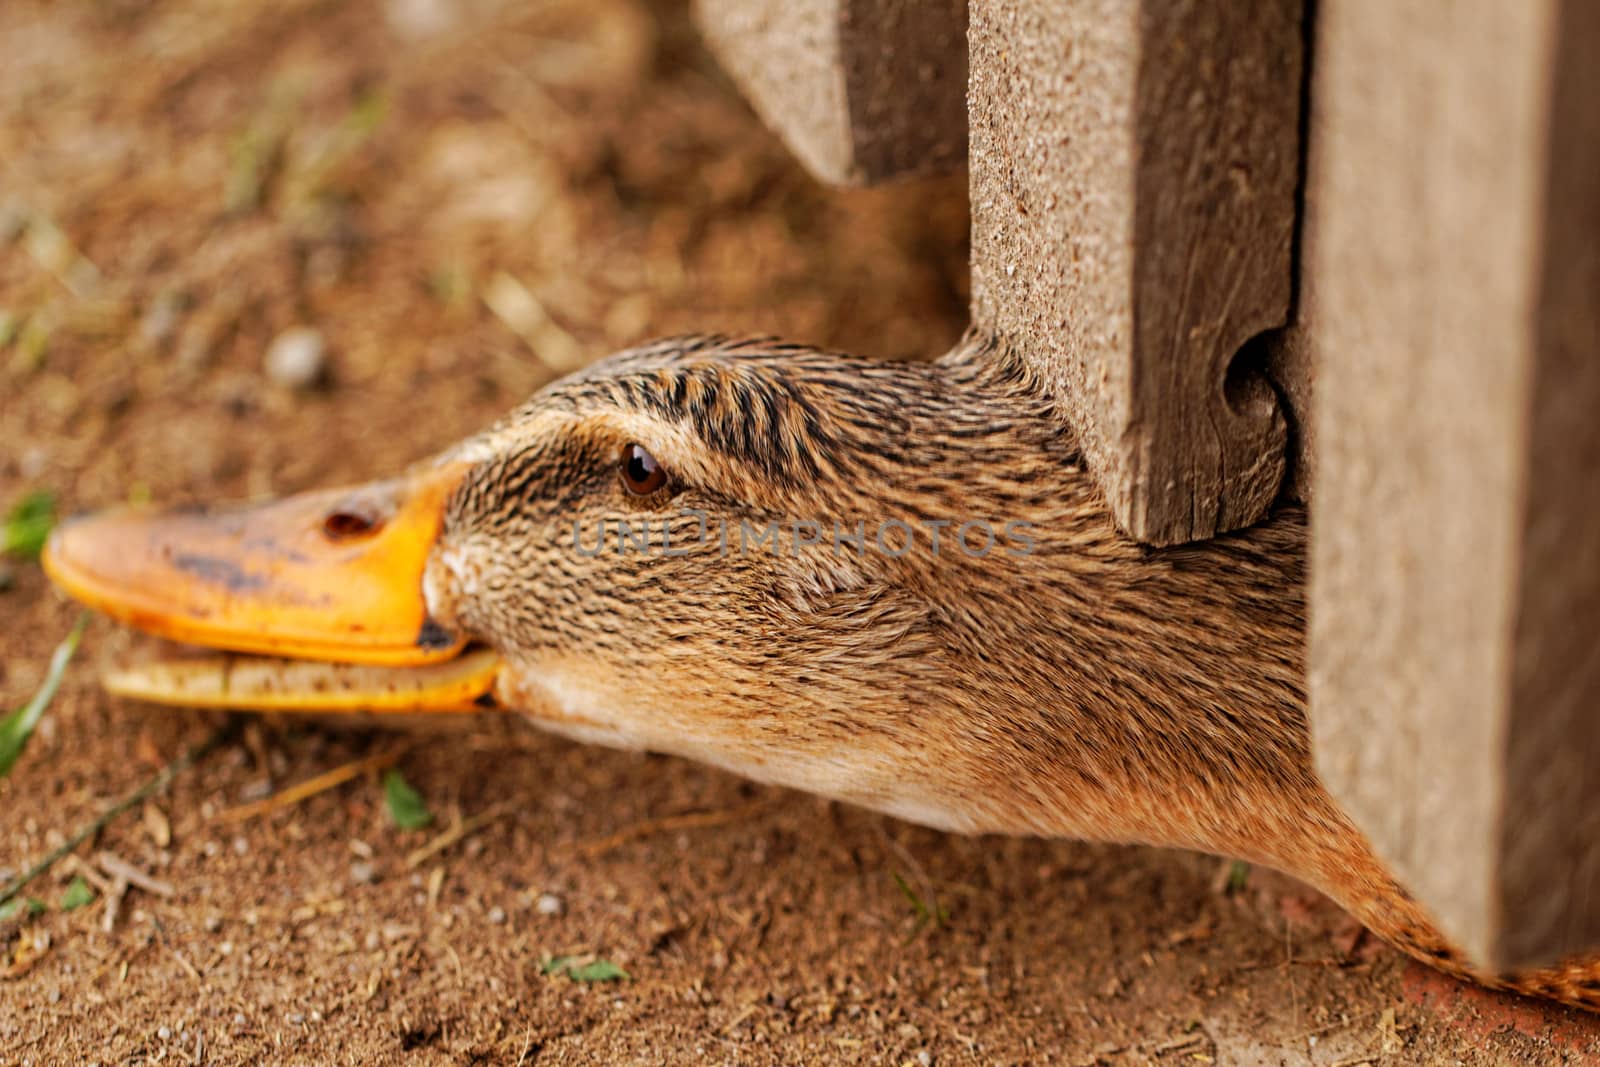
x=464 y=198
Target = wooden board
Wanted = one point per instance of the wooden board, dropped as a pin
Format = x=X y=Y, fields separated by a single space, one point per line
x=1455 y=629
x=1134 y=169
x=860 y=90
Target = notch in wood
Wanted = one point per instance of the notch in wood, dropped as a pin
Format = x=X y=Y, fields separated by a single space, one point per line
x=1134 y=169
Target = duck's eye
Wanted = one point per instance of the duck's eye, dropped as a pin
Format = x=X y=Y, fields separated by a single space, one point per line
x=641 y=473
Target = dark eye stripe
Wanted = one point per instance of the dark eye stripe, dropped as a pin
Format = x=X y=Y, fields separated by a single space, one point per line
x=641 y=473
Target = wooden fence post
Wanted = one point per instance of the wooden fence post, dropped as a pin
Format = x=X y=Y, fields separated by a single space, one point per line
x=1455 y=626
x=1134 y=168
x=861 y=90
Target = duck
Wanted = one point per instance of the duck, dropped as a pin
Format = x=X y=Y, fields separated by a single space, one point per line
x=894 y=584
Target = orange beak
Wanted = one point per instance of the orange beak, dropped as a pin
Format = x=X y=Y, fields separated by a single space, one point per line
x=332 y=576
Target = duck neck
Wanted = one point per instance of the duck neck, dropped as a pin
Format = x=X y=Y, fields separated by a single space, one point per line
x=1150 y=695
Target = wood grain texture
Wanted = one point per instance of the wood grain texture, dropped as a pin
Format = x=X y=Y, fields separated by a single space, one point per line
x=861 y=90
x=1455 y=625
x=1134 y=168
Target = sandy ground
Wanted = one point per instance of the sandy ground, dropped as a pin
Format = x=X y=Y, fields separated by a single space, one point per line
x=465 y=198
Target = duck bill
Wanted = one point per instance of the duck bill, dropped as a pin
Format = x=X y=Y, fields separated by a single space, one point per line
x=333 y=577
x=270 y=684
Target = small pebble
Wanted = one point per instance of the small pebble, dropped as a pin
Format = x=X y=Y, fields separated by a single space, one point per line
x=549 y=904
x=420 y=18
x=497 y=915
x=13 y=220
x=363 y=873
x=213 y=923
x=160 y=319
x=54 y=996
x=925 y=1058
x=241 y=846
x=372 y=942
x=255 y=789
x=164 y=1033
x=33 y=462
x=297 y=358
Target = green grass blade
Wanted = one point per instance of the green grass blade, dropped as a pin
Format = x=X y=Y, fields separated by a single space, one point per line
x=28 y=525
x=598 y=971
x=77 y=894
x=17 y=728
x=407 y=809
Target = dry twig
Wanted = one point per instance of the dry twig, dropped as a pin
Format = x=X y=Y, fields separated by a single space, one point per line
x=698 y=820
x=288 y=798
x=464 y=828
x=127 y=803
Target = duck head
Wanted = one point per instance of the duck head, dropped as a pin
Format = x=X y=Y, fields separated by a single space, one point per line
x=888 y=583
x=758 y=555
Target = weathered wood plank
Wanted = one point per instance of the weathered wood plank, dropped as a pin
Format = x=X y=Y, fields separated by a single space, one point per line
x=860 y=90
x=1455 y=631
x=1134 y=168
x=1293 y=353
